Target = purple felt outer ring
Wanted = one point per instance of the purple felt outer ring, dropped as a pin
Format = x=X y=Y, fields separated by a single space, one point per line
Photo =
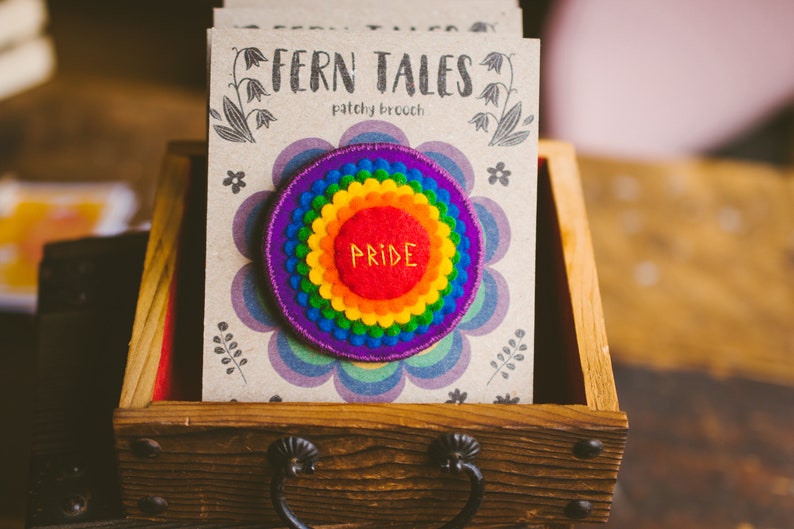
x=274 y=258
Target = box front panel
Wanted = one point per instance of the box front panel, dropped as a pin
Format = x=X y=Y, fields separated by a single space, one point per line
x=371 y=467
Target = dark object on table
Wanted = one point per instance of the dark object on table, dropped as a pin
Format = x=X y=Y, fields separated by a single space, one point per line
x=86 y=303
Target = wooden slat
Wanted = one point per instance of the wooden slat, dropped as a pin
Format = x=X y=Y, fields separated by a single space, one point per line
x=161 y=255
x=580 y=266
x=374 y=463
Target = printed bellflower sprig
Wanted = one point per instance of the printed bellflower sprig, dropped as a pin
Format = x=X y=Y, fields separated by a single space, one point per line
x=505 y=134
x=235 y=113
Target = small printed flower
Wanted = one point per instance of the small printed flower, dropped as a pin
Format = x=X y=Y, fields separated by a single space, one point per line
x=480 y=121
x=252 y=57
x=235 y=180
x=506 y=399
x=491 y=94
x=255 y=90
x=499 y=174
x=264 y=117
x=493 y=61
x=457 y=397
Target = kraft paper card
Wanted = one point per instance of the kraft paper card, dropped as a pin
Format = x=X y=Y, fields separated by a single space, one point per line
x=370 y=217
x=352 y=6
x=479 y=20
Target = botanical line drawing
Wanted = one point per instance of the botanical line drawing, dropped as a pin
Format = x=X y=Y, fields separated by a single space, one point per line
x=505 y=134
x=231 y=354
x=510 y=354
x=235 y=112
x=234 y=179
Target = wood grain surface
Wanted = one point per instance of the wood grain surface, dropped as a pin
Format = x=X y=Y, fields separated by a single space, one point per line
x=374 y=464
x=580 y=274
x=143 y=359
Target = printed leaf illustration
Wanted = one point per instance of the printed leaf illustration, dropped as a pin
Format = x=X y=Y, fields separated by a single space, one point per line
x=228 y=134
x=508 y=357
x=215 y=114
x=513 y=139
x=233 y=361
x=529 y=119
x=507 y=124
x=236 y=119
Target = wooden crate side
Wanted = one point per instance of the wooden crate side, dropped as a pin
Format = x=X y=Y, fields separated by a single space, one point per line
x=374 y=463
x=143 y=358
x=585 y=297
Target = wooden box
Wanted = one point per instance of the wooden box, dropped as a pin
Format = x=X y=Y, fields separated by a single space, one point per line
x=550 y=463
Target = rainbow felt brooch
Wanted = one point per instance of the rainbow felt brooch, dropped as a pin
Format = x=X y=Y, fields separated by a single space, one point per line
x=372 y=252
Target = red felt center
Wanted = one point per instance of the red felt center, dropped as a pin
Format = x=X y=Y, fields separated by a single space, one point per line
x=381 y=252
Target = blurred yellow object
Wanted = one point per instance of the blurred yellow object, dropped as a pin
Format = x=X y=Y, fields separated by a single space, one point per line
x=32 y=215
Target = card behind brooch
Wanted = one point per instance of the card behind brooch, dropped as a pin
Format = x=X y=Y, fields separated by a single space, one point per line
x=281 y=101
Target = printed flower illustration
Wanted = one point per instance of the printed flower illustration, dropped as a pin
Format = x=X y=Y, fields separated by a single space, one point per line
x=235 y=180
x=264 y=117
x=435 y=368
x=494 y=61
x=499 y=174
x=507 y=399
x=252 y=57
x=490 y=94
x=457 y=397
x=480 y=121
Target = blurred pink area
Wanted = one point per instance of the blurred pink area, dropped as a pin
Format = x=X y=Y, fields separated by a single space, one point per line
x=649 y=79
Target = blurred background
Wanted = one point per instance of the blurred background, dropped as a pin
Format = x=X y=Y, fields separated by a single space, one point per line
x=682 y=114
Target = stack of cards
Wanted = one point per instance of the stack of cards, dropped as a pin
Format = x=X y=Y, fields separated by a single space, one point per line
x=372 y=180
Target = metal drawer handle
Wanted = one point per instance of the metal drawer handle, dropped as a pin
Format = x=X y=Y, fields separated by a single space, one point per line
x=455 y=453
